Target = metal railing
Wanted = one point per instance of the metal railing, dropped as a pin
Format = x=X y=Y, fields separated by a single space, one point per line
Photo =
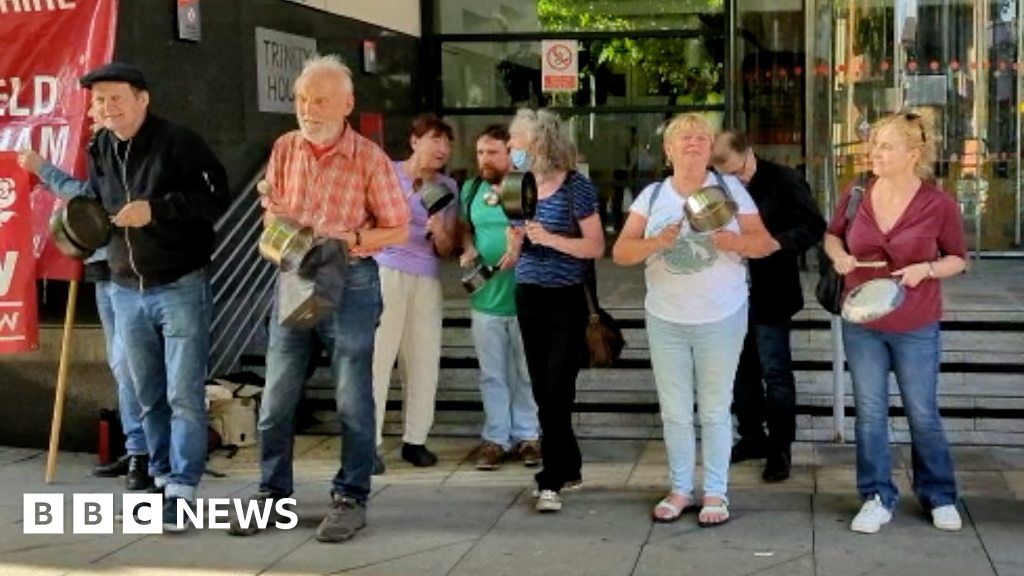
x=242 y=281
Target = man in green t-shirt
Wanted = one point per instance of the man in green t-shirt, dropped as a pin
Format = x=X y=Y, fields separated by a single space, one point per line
x=510 y=414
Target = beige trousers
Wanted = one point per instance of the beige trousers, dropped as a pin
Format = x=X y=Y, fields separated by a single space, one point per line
x=410 y=330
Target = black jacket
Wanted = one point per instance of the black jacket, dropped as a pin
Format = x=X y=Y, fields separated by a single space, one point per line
x=187 y=189
x=784 y=199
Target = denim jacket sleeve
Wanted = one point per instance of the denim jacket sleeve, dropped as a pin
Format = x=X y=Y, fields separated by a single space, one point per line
x=60 y=182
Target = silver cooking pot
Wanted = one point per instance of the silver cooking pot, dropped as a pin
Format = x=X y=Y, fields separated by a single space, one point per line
x=710 y=209
x=435 y=197
x=286 y=243
x=477 y=276
x=519 y=195
x=80 y=227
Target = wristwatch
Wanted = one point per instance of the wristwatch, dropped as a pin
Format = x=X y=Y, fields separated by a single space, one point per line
x=359 y=241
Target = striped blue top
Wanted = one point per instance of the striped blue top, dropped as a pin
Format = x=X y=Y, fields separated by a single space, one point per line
x=543 y=265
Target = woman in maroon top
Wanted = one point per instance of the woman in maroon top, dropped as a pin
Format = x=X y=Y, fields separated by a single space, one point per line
x=913 y=226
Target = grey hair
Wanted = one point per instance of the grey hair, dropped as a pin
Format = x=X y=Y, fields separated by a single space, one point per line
x=548 y=140
x=328 y=63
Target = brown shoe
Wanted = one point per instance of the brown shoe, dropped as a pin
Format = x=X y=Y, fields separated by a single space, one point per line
x=489 y=456
x=529 y=452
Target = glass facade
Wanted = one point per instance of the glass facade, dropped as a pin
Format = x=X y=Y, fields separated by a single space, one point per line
x=640 y=62
x=804 y=78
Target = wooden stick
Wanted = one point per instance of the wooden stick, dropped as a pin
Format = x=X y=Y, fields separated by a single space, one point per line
x=62 y=384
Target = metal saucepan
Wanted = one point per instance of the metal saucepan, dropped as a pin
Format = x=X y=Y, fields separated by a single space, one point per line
x=286 y=243
x=477 y=276
x=710 y=209
x=435 y=197
x=519 y=195
x=873 y=300
x=80 y=227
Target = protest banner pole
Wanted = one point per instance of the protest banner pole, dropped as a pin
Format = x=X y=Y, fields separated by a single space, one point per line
x=62 y=384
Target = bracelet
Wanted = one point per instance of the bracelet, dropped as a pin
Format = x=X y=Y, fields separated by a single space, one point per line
x=931 y=270
x=359 y=238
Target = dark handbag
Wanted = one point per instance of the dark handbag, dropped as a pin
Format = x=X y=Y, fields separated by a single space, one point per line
x=603 y=335
x=829 y=290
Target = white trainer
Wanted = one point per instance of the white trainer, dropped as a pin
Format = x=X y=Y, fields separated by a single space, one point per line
x=872 y=516
x=548 y=501
x=570 y=486
x=946 y=518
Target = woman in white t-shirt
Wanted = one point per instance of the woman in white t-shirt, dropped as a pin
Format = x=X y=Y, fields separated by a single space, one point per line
x=696 y=312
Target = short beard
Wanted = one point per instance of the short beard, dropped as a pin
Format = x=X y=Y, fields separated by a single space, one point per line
x=317 y=138
x=491 y=175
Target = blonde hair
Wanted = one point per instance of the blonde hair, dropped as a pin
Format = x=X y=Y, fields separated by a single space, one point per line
x=548 y=140
x=327 y=63
x=918 y=132
x=689 y=122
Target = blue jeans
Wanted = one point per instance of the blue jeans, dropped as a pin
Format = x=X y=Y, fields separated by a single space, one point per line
x=127 y=403
x=510 y=414
x=166 y=334
x=914 y=358
x=766 y=357
x=348 y=334
x=686 y=357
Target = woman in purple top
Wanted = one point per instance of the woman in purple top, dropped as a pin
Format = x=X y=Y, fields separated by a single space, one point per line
x=915 y=228
x=410 y=326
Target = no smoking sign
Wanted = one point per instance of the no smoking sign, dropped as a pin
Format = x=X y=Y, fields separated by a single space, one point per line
x=560 y=65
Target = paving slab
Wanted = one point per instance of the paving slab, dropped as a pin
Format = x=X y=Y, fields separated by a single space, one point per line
x=404 y=521
x=596 y=533
x=907 y=545
x=999 y=525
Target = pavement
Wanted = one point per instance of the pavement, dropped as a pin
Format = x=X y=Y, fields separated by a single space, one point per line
x=454 y=520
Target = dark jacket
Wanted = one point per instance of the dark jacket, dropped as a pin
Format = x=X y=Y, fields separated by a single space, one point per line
x=187 y=189
x=789 y=212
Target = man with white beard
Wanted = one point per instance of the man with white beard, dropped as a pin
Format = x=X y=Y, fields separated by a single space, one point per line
x=328 y=177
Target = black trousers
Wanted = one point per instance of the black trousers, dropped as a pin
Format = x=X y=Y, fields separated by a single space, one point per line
x=552 y=321
x=766 y=357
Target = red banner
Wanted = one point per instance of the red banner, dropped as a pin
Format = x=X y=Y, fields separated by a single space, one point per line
x=47 y=46
x=18 y=312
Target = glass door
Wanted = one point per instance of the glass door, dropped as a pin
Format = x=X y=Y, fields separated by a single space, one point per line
x=955 y=60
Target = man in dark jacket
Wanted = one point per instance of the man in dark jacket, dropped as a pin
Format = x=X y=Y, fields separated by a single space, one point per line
x=791 y=216
x=165 y=190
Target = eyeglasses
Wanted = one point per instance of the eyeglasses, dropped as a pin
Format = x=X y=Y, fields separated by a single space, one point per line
x=914 y=117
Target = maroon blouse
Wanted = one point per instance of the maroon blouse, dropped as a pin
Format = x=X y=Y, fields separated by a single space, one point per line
x=929 y=228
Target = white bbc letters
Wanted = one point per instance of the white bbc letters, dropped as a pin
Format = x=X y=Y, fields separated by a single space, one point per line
x=142 y=514
x=43 y=514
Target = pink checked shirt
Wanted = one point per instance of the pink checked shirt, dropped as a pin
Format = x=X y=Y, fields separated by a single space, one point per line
x=351 y=186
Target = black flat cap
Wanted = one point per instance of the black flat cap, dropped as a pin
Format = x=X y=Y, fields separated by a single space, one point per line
x=115 y=72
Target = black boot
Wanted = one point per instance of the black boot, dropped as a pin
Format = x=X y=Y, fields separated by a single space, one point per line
x=418 y=455
x=114 y=469
x=378 y=465
x=776 y=469
x=138 y=477
x=748 y=450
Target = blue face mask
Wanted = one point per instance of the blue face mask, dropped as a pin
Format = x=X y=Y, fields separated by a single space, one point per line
x=521 y=159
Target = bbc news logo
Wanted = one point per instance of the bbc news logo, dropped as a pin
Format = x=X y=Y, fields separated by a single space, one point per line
x=143 y=513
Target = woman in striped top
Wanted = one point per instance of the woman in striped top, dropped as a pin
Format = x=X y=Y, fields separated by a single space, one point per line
x=556 y=258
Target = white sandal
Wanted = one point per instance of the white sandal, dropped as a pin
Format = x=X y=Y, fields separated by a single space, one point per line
x=674 y=511
x=721 y=510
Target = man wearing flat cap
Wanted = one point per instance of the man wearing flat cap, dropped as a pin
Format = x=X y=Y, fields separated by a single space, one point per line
x=165 y=190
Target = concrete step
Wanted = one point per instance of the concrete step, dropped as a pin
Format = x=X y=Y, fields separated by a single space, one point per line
x=981 y=384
